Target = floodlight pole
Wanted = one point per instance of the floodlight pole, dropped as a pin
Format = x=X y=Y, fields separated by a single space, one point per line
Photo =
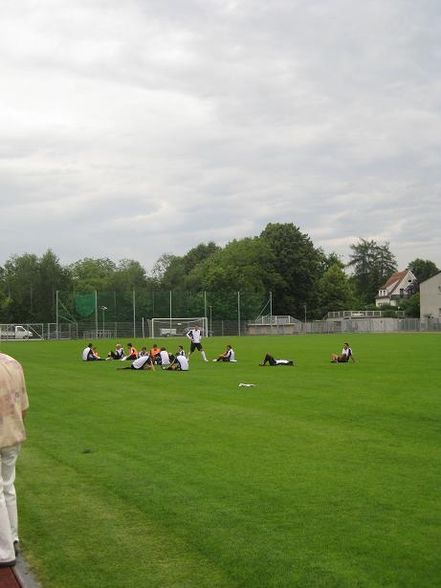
x=96 y=314
x=238 y=313
x=134 y=313
x=103 y=309
x=210 y=327
x=56 y=310
x=171 y=309
x=271 y=312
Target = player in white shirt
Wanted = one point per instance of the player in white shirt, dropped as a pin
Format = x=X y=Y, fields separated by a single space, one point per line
x=140 y=363
x=195 y=336
x=87 y=353
x=179 y=364
x=228 y=355
x=269 y=359
x=345 y=355
x=164 y=358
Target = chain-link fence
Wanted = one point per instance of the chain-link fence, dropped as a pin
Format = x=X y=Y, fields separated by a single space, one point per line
x=142 y=329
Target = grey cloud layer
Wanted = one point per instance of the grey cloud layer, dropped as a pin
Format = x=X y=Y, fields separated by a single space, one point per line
x=131 y=129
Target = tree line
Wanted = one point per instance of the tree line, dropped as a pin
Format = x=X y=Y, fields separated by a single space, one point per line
x=283 y=260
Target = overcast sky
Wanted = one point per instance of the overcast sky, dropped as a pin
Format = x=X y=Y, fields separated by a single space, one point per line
x=134 y=128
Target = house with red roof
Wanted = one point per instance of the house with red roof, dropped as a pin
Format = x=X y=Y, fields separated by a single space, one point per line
x=400 y=285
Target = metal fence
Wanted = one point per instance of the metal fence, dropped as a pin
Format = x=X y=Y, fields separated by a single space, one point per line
x=218 y=328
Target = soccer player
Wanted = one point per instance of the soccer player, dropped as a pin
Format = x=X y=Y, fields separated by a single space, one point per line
x=345 y=355
x=117 y=354
x=131 y=354
x=140 y=363
x=164 y=358
x=87 y=353
x=154 y=352
x=227 y=355
x=195 y=336
x=269 y=359
x=179 y=364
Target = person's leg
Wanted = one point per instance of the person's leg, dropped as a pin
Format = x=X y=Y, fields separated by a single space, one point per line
x=8 y=505
x=204 y=357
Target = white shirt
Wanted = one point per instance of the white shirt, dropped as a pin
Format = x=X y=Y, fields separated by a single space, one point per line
x=139 y=363
x=183 y=362
x=347 y=351
x=86 y=352
x=165 y=358
x=194 y=335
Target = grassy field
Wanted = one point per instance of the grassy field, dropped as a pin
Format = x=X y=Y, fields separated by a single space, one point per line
x=320 y=475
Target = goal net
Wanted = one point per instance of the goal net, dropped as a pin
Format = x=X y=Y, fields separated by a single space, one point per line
x=178 y=327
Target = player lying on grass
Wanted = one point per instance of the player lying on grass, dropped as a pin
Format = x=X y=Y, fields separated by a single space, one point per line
x=269 y=360
x=141 y=363
x=227 y=355
x=345 y=355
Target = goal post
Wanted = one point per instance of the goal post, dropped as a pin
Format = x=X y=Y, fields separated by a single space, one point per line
x=177 y=327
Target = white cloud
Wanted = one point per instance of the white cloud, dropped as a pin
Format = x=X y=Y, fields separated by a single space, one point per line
x=131 y=129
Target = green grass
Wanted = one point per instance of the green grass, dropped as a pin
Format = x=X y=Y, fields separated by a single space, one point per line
x=322 y=475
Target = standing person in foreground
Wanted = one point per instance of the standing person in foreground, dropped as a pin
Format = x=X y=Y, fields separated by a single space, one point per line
x=13 y=406
x=195 y=336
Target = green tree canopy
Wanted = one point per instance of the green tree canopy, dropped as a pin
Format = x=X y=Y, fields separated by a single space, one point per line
x=372 y=264
x=423 y=269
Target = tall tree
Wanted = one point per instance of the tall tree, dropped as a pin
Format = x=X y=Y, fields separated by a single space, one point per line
x=373 y=264
x=298 y=265
x=335 y=291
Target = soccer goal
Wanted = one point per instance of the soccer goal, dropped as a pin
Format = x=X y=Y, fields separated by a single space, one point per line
x=178 y=327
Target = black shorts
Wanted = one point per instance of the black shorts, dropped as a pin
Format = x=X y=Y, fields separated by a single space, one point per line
x=194 y=346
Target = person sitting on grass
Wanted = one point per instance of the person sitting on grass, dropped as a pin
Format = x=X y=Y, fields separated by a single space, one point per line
x=269 y=360
x=345 y=355
x=96 y=354
x=164 y=359
x=140 y=363
x=179 y=364
x=131 y=354
x=227 y=355
x=87 y=354
x=117 y=354
x=154 y=352
x=180 y=351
